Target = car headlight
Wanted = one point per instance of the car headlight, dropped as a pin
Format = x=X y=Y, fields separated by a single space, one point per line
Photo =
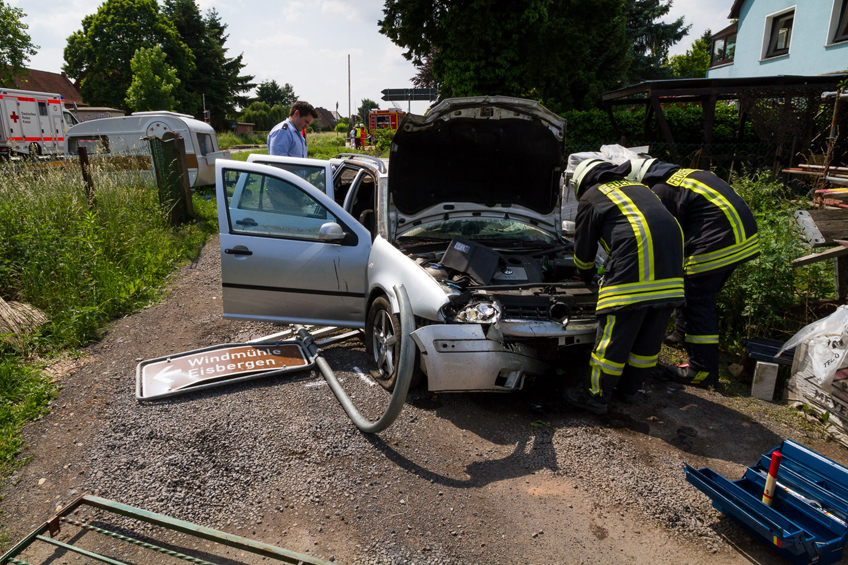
x=480 y=313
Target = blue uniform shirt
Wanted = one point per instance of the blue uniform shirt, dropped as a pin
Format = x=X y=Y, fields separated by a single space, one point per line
x=285 y=140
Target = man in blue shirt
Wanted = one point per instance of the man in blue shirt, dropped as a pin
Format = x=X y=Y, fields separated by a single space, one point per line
x=285 y=139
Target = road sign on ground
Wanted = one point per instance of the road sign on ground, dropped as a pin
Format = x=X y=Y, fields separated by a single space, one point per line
x=169 y=375
x=390 y=94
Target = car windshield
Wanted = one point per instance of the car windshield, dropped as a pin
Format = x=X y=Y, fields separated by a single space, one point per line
x=480 y=229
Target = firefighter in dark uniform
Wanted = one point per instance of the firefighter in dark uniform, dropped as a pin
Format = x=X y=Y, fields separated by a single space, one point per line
x=719 y=233
x=641 y=285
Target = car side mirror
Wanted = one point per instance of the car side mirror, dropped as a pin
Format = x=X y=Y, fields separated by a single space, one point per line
x=331 y=231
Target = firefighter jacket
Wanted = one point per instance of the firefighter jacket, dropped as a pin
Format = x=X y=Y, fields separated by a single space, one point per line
x=719 y=229
x=644 y=243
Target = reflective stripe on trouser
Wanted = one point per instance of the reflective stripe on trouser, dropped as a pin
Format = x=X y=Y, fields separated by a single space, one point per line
x=697 y=319
x=626 y=349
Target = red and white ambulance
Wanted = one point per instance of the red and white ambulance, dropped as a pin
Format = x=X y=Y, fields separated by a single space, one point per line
x=33 y=123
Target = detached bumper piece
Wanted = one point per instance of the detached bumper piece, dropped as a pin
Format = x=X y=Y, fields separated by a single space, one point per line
x=808 y=519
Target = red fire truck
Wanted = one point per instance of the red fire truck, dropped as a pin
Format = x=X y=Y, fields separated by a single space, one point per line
x=384 y=119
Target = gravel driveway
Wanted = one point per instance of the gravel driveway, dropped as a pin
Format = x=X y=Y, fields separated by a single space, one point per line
x=459 y=478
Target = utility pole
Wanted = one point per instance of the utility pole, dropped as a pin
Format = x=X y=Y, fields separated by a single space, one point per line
x=349 y=116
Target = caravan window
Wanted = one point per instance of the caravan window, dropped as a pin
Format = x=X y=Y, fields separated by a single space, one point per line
x=204 y=144
x=94 y=144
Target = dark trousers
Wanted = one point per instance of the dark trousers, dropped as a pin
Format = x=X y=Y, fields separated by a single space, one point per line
x=626 y=349
x=697 y=320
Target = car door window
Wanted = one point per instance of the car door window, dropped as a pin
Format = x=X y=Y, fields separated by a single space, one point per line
x=261 y=204
x=316 y=176
x=342 y=183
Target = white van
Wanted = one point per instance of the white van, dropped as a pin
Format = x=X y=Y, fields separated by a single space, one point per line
x=124 y=137
x=33 y=123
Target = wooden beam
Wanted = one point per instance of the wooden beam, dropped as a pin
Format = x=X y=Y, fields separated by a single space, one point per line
x=666 y=131
x=823 y=256
x=709 y=106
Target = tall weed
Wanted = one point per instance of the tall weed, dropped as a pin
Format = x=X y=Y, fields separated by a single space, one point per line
x=760 y=297
x=81 y=264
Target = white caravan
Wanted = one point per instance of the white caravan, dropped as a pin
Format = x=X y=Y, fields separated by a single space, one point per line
x=33 y=123
x=126 y=137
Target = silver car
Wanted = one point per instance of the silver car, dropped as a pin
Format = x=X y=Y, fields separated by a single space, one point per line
x=465 y=215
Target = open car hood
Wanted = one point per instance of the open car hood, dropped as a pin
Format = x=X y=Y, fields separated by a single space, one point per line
x=493 y=151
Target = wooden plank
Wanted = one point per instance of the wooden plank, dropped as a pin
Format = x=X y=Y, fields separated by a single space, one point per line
x=840 y=271
x=823 y=256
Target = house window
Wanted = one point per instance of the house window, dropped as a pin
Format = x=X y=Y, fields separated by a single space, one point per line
x=723 y=47
x=780 y=35
x=841 y=33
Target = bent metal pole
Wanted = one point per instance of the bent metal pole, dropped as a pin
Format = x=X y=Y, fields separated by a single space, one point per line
x=405 y=367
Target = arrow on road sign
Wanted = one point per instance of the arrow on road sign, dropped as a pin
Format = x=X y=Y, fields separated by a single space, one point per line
x=162 y=376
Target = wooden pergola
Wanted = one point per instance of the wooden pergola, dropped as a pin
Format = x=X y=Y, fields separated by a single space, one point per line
x=707 y=92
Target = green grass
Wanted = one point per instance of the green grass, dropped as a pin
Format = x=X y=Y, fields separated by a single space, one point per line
x=82 y=266
x=227 y=139
x=24 y=394
x=323 y=145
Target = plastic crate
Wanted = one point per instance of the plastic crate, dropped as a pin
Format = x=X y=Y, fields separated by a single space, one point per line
x=808 y=519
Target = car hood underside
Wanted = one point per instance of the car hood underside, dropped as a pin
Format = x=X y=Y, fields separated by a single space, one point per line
x=493 y=151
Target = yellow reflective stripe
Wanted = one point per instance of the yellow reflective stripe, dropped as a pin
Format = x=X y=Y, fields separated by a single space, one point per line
x=595 y=387
x=731 y=249
x=700 y=377
x=583 y=265
x=644 y=241
x=642 y=361
x=727 y=260
x=605 y=245
x=627 y=300
x=606 y=365
x=631 y=293
x=630 y=288
x=721 y=203
x=701 y=338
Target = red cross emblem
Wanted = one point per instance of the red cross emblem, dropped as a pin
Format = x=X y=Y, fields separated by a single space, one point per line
x=14 y=117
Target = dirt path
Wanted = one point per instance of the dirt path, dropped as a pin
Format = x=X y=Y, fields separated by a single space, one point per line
x=460 y=478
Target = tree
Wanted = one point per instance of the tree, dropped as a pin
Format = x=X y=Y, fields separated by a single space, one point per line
x=100 y=53
x=365 y=107
x=564 y=53
x=650 y=38
x=215 y=76
x=15 y=44
x=153 y=81
x=272 y=93
x=263 y=116
x=695 y=62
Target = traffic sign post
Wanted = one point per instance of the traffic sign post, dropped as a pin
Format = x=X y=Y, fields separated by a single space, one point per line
x=409 y=94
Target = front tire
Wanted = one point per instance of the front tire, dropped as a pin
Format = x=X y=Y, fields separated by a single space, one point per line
x=382 y=345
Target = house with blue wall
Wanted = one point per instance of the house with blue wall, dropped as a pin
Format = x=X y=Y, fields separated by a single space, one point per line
x=782 y=37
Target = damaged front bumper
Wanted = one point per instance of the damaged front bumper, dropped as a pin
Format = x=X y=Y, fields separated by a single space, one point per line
x=467 y=357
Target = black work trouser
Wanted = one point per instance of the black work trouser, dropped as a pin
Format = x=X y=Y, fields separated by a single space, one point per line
x=626 y=349
x=697 y=320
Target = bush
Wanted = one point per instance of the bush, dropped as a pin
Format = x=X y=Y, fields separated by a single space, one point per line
x=384 y=139
x=589 y=129
x=758 y=299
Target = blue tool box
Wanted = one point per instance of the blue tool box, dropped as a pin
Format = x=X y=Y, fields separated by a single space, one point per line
x=808 y=519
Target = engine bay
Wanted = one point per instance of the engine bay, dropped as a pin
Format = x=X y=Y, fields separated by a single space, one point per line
x=530 y=281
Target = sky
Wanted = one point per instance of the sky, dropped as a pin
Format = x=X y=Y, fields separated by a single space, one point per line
x=307 y=43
